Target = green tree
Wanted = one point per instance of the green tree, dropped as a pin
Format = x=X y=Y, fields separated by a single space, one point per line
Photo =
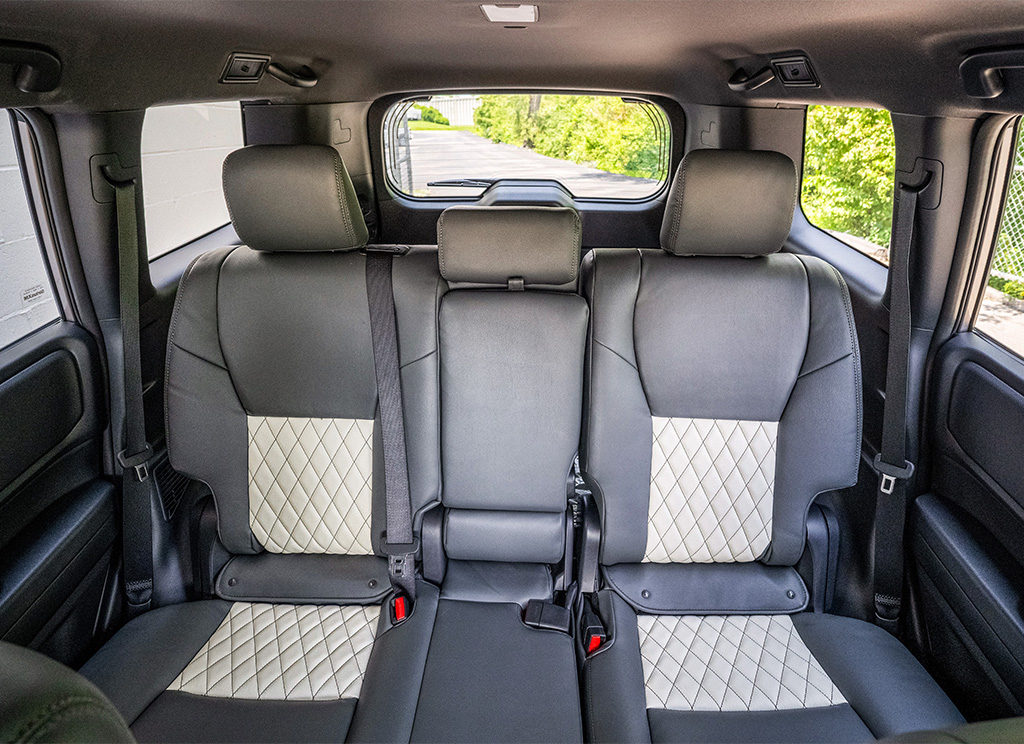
x=429 y=113
x=603 y=132
x=849 y=170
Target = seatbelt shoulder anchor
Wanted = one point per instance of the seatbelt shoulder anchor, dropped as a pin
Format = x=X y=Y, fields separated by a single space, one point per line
x=891 y=473
x=139 y=462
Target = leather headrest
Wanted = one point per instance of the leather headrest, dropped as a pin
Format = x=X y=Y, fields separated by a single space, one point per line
x=293 y=198
x=509 y=246
x=730 y=203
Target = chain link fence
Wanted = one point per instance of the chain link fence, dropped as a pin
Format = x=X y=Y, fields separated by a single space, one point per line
x=1009 y=259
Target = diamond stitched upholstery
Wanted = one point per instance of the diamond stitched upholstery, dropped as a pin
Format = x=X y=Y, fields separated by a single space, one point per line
x=735 y=663
x=711 y=490
x=310 y=484
x=284 y=652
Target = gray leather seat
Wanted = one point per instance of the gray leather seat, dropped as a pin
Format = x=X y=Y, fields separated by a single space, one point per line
x=511 y=331
x=272 y=402
x=723 y=395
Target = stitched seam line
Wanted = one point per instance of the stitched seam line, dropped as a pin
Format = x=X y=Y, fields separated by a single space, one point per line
x=678 y=212
x=440 y=244
x=345 y=217
x=577 y=240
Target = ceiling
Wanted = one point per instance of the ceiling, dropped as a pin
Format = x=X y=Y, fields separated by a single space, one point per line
x=898 y=54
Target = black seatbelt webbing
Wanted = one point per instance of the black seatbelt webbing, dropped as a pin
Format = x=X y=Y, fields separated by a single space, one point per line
x=135 y=486
x=398 y=543
x=891 y=462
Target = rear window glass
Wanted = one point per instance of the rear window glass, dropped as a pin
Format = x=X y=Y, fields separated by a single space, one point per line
x=849 y=172
x=597 y=147
x=183 y=150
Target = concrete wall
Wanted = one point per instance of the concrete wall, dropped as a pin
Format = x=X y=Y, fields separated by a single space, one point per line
x=26 y=296
x=183 y=149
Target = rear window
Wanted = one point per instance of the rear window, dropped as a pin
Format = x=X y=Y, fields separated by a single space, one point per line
x=597 y=147
x=183 y=150
x=849 y=173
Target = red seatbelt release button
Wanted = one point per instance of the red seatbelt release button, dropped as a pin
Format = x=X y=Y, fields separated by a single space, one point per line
x=399 y=609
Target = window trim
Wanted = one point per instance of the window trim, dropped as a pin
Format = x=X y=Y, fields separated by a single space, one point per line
x=411 y=98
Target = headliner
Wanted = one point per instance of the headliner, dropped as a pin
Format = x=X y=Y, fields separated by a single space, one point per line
x=899 y=54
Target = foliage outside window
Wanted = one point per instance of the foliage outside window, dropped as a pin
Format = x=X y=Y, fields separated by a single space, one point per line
x=603 y=147
x=849 y=172
x=1001 y=315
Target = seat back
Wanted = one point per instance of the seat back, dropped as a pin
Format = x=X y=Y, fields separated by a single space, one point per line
x=271 y=392
x=723 y=387
x=512 y=330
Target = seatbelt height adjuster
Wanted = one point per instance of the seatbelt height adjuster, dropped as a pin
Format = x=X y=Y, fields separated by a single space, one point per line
x=139 y=462
x=891 y=473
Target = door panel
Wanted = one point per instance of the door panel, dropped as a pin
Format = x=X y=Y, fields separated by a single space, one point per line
x=57 y=513
x=967 y=533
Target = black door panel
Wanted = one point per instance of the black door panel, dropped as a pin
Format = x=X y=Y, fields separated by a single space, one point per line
x=966 y=535
x=57 y=512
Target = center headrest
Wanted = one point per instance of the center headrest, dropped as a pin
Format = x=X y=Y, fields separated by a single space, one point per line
x=293 y=198
x=509 y=246
x=730 y=203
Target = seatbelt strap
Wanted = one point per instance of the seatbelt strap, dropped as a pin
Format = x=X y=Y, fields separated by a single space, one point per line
x=891 y=462
x=399 y=543
x=134 y=459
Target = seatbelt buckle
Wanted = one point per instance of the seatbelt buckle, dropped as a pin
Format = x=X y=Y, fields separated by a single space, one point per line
x=139 y=462
x=891 y=473
x=592 y=632
x=401 y=608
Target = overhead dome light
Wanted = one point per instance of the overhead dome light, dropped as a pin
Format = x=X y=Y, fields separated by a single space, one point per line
x=510 y=13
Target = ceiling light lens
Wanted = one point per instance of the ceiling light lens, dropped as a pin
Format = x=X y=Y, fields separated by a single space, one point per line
x=510 y=13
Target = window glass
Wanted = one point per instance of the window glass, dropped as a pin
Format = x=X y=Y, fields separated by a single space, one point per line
x=26 y=294
x=599 y=147
x=183 y=149
x=849 y=173
x=1002 y=308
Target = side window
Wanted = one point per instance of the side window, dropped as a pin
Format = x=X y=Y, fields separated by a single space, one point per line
x=849 y=175
x=26 y=294
x=183 y=149
x=1001 y=315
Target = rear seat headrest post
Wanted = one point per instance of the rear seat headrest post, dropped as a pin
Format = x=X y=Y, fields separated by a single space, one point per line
x=730 y=203
x=291 y=198
x=513 y=248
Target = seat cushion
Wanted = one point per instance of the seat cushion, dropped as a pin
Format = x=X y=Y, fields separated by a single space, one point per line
x=217 y=670
x=755 y=678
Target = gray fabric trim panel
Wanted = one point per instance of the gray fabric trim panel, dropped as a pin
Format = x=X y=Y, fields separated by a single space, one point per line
x=293 y=198
x=878 y=676
x=492 y=245
x=730 y=203
x=135 y=666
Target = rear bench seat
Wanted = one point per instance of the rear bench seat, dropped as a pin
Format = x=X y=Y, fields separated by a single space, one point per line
x=743 y=372
x=723 y=395
x=272 y=402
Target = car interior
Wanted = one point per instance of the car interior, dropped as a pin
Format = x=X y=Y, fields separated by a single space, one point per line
x=562 y=371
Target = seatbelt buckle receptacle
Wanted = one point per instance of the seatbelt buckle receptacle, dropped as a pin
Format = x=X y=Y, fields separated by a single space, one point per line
x=139 y=462
x=891 y=473
x=402 y=565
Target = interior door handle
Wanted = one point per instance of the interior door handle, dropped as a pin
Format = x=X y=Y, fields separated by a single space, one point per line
x=980 y=72
x=36 y=69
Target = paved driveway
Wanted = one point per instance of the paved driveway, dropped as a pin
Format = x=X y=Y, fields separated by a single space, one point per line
x=440 y=155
